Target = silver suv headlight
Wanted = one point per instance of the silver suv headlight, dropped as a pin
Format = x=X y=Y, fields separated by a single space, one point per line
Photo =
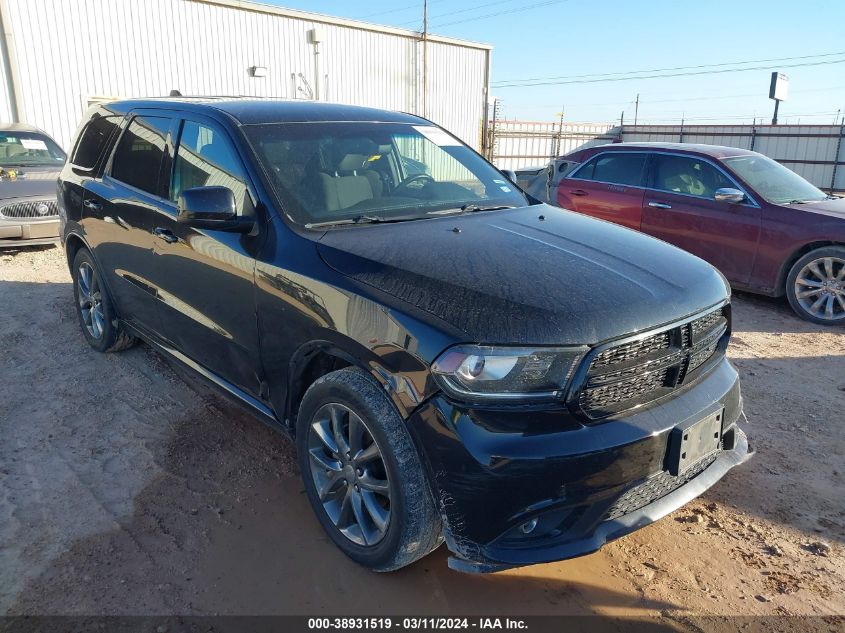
x=494 y=372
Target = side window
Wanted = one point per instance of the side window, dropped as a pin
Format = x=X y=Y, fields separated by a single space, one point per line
x=92 y=142
x=585 y=172
x=140 y=151
x=688 y=175
x=620 y=168
x=205 y=157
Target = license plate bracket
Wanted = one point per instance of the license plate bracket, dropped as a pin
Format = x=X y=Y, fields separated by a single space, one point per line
x=693 y=440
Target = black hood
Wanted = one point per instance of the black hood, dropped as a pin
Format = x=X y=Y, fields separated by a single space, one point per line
x=509 y=277
x=29 y=182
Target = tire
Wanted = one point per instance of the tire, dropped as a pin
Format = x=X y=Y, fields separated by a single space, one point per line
x=412 y=527
x=94 y=307
x=815 y=286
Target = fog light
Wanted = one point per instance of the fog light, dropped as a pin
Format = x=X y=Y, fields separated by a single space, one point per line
x=528 y=526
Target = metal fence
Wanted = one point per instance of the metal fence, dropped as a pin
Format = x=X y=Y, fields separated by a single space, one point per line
x=516 y=144
x=816 y=152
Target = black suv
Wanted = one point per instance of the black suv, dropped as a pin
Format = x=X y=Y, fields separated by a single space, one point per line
x=453 y=359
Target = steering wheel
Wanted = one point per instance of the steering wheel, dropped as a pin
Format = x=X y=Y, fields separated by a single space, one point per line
x=415 y=178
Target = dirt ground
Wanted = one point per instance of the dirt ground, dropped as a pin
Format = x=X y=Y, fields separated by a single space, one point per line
x=125 y=489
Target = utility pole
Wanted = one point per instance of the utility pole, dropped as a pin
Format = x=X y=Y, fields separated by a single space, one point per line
x=425 y=59
x=556 y=151
x=496 y=113
x=636 y=108
x=622 y=119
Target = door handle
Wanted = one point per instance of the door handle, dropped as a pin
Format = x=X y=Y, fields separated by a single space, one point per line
x=92 y=204
x=660 y=205
x=165 y=235
x=578 y=192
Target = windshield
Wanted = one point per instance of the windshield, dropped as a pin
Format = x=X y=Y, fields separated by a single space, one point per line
x=18 y=149
x=363 y=171
x=773 y=181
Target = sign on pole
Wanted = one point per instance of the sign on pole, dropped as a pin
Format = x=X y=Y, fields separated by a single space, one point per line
x=778 y=90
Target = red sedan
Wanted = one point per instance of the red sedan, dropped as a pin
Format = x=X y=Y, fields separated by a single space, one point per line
x=767 y=229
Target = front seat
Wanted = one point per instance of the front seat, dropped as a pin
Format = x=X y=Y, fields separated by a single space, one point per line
x=348 y=185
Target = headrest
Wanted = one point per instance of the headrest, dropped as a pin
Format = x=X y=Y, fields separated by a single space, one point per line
x=352 y=162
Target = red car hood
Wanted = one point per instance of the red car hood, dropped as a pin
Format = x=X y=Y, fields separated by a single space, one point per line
x=834 y=207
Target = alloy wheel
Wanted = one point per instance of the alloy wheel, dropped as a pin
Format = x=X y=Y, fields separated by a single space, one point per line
x=820 y=288
x=349 y=474
x=90 y=298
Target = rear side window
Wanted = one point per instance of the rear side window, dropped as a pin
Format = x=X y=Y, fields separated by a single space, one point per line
x=205 y=158
x=622 y=168
x=689 y=176
x=140 y=152
x=93 y=140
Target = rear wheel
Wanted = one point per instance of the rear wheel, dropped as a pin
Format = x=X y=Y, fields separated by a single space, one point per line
x=815 y=286
x=362 y=473
x=94 y=307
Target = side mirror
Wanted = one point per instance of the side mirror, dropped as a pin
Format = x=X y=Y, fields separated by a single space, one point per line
x=729 y=195
x=510 y=175
x=211 y=208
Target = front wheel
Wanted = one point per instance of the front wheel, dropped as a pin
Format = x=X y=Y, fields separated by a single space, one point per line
x=362 y=473
x=815 y=286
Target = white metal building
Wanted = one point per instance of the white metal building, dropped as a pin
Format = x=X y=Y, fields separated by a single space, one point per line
x=59 y=56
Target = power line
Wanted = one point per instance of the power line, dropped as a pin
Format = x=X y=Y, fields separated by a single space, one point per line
x=656 y=70
x=498 y=13
x=747 y=94
x=731 y=117
x=475 y=8
x=663 y=76
x=417 y=7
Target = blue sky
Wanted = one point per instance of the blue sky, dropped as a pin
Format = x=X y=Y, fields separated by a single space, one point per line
x=562 y=38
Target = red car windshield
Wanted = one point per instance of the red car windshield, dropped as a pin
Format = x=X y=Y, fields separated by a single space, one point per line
x=773 y=181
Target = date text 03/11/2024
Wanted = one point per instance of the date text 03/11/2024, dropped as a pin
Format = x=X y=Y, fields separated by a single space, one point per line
x=421 y=623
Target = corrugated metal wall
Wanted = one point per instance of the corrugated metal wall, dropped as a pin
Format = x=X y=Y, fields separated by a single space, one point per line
x=809 y=150
x=68 y=52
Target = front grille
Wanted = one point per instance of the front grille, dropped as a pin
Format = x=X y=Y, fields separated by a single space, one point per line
x=30 y=209
x=623 y=390
x=655 y=488
x=628 y=351
x=636 y=372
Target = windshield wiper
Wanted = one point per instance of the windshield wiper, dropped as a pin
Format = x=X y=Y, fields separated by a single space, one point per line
x=360 y=219
x=471 y=207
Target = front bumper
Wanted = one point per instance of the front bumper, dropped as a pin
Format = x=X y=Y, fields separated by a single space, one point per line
x=20 y=232
x=495 y=471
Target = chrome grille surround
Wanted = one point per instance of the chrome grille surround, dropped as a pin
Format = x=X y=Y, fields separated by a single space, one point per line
x=31 y=209
x=640 y=370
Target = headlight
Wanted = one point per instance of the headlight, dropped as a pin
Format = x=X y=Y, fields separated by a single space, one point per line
x=484 y=372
